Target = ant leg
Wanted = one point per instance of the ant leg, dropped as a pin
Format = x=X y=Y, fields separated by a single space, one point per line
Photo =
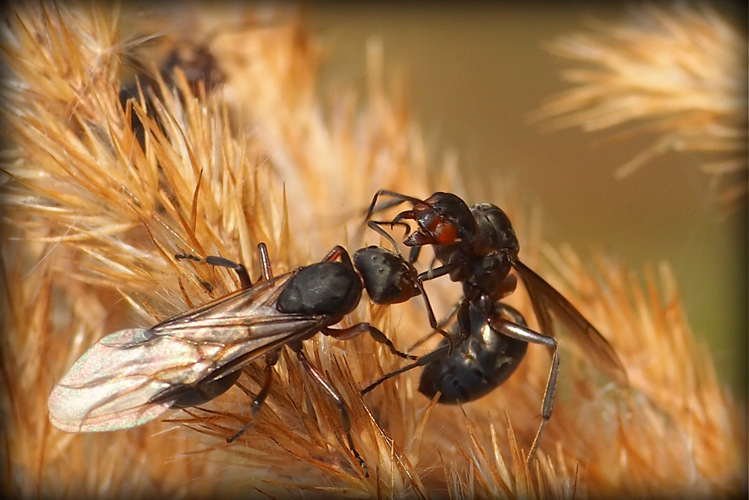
x=244 y=277
x=442 y=351
x=423 y=360
x=376 y=226
x=516 y=331
x=441 y=323
x=267 y=271
x=242 y=274
x=337 y=400
x=338 y=252
x=397 y=199
x=434 y=273
x=433 y=323
x=359 y=328
x=270 y=360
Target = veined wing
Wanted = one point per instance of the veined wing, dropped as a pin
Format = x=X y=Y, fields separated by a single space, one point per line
x=122 y=380
x=251 y=309
x=548 y=303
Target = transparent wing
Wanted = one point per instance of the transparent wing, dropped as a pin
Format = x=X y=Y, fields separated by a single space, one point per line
x=253 y=310
x=120 y=382
x=549 y=304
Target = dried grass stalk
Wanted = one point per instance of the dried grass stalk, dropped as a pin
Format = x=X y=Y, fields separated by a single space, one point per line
x=93 y=219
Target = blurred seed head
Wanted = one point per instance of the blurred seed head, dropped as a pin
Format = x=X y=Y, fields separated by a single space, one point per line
x=677 y=73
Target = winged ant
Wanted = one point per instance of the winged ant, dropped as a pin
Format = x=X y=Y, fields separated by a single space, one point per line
x=477 y=247
x=132 y=376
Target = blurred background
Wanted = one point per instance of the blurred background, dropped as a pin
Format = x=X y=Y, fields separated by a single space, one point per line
x=473 y=74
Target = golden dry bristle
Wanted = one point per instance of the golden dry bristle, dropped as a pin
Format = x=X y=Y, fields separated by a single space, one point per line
x=93 y=220
x=676 y=72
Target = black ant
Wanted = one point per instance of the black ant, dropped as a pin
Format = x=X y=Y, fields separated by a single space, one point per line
x=477 y=247
x=133 y=376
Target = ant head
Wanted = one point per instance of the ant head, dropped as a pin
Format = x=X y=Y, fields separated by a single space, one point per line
x=442 y=219
x=387 y=277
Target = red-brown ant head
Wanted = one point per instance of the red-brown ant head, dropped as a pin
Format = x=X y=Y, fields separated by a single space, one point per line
x=442 y=219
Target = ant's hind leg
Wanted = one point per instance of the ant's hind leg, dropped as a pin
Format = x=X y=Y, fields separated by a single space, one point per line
x=337 y=400
x=516 y=330
x=270 y=361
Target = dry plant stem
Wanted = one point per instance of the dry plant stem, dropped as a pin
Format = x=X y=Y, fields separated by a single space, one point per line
x=92 y=221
